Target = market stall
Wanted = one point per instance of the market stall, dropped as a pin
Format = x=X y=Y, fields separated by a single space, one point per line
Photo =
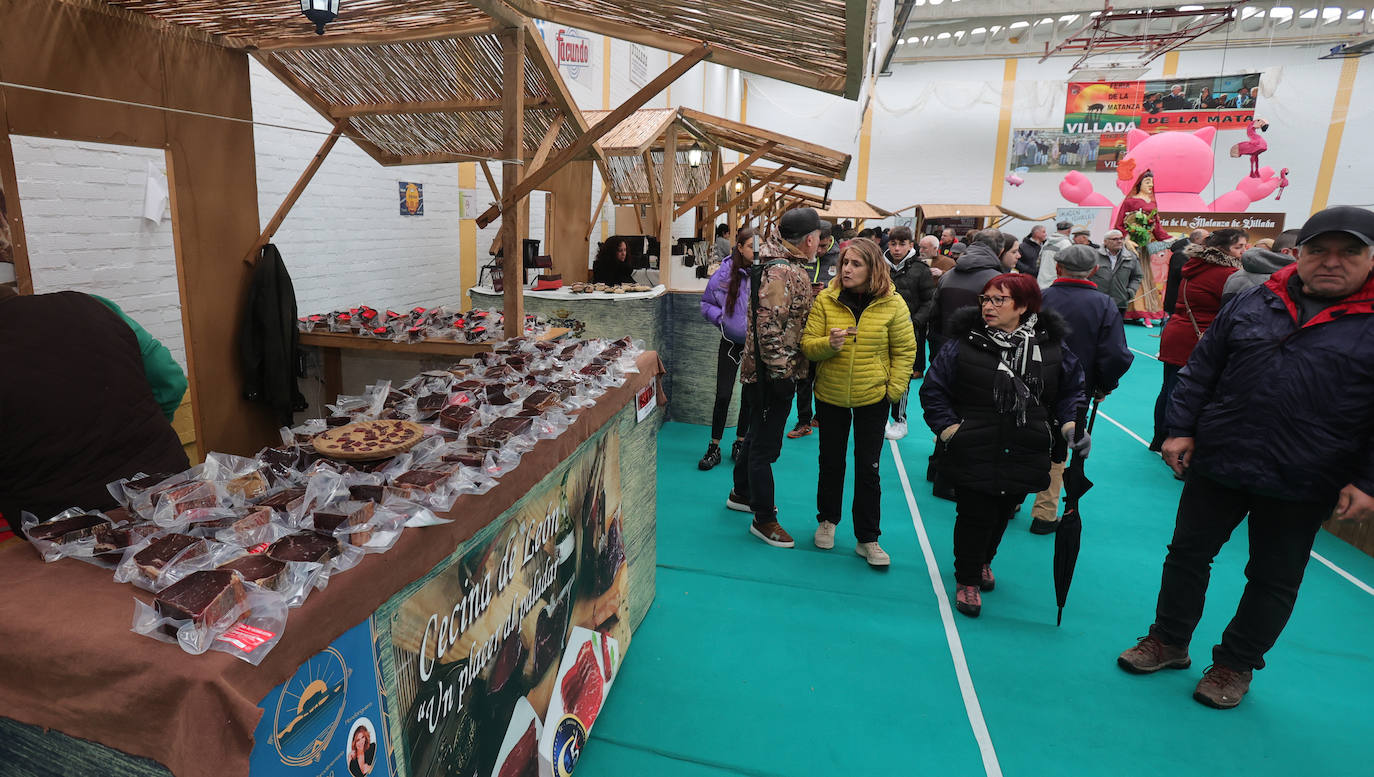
x=636 y=153
x=931 y=219
x=365 y=647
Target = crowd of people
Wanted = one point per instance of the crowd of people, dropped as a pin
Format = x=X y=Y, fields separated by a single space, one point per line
x=1264 y=408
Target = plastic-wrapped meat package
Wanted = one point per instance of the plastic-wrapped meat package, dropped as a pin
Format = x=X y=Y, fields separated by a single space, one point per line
x=215 y=610
x=294 y=580
x=128 y=490
x=70 y=533
x=163 y=558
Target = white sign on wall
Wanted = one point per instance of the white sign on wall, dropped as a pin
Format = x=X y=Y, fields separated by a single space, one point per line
x=639 y=65
x=468 y=206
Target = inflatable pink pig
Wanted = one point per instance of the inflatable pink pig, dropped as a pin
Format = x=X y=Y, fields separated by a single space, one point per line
x=1182 y=164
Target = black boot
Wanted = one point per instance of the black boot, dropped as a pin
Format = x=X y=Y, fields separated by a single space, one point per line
x=711 y=459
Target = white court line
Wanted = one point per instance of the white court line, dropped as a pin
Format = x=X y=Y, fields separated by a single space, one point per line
x=1119 y=425
x=1358 y=582
x=956 y=647
x=1146 y=355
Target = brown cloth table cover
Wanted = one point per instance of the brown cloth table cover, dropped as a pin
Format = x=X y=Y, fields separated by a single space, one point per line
x=70 y=661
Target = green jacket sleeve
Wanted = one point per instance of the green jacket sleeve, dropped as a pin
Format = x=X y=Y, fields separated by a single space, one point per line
x=164 y=375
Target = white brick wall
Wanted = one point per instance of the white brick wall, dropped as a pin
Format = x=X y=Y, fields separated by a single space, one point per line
x=345 y=242
x=83 y=205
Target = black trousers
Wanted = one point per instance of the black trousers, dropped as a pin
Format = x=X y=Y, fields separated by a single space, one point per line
x=804 y=393
x=1281 y=537
x=869 y=422
x=727 y=368
x=979 y=523
x=920 y=364
x=1166 y=391
x=769 y=406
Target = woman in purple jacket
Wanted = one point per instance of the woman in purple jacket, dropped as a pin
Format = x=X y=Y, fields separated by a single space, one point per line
x=725 y=303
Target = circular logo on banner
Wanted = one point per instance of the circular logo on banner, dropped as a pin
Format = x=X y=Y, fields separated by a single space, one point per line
x=310 y=707
x=568 y=741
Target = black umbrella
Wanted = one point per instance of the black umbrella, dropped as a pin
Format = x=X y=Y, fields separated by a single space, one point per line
x=1070 y=532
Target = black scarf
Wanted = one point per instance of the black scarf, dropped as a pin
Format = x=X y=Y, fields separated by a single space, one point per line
x=1018 y=382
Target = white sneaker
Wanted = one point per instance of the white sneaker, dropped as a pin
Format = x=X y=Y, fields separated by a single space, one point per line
x=873 y=552
x=896 y=430
x=825 y=535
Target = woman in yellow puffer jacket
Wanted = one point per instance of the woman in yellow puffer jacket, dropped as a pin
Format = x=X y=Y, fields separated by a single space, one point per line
x=860 y=336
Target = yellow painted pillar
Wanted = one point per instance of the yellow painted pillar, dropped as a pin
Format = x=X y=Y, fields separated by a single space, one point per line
x=865 y=142
x=1340 y=109
x=1171 y=64
x=999 y=167
x=467 y=237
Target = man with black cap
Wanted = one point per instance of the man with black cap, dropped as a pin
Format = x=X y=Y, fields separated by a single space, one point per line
x=1272 y=419
x=1098 y=338
x=772 y=363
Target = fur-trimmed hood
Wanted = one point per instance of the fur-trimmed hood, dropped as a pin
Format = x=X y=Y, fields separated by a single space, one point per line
x=1049 y=325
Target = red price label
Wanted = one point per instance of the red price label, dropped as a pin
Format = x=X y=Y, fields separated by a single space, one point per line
x=246 y=638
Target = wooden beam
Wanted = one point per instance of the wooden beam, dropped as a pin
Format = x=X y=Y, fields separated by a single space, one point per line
x=440 y=158
x=513 y=114
x=655 y=201
x=502 y=12
x=546 y=145
x=491 y=181
x=9 y=194
x=605 y=192
x=725 y=178
x=665 y=224
x=607 y=123
x=361 y=40
x=748 y=192
x=431 y=106
x=296 y=191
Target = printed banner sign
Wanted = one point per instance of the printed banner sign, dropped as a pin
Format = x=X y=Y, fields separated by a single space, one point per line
x=1114 y=107
x=412 y=198
x=1098 y=107
x=1258 y=225
x=1049 y=150
x=497 y=662
x=326 y=719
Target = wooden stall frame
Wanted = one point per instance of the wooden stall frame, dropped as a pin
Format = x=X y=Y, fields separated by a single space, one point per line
x=9 y=184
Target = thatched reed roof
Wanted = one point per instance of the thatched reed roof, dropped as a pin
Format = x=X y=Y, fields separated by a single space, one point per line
x=643 y=132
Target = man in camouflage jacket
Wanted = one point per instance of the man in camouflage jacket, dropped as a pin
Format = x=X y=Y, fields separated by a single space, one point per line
x=780 y=302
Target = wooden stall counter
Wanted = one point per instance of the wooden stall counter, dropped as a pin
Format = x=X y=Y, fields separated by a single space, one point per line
x=333 y=344
x=365 y=652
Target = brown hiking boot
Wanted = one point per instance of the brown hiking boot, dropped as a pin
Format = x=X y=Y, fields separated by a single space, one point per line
x=772 y=533
x=1151 y=655
x=968 y=600
x=987 y=582
x=1222 y=687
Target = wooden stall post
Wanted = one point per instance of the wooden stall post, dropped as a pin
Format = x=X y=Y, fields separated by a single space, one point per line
x=665 y=211
x=9 y=197
x=513 y=114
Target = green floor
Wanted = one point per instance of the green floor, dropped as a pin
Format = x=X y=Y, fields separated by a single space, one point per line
x=761 y=661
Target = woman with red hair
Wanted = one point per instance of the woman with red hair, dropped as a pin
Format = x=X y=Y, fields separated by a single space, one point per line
x=996 y=393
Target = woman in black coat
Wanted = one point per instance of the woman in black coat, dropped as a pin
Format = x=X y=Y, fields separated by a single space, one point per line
x=998 y=391
x=612 y=264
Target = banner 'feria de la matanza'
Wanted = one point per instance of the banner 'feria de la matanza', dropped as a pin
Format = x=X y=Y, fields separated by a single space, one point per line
x=1113 y=107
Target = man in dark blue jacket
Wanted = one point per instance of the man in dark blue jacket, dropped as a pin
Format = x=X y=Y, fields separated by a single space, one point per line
x=1098 y=338
x=1272 y=418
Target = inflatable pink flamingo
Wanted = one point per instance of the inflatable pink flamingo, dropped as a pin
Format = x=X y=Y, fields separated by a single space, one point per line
x=1252 y=147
